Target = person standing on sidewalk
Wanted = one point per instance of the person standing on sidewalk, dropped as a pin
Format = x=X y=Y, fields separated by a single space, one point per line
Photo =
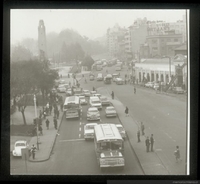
x=147 y=142
x=33 y=150
x=177 y=154
x=47 y=124
x=55 y=123
x=126 y=111
x=134 y=90
x=50 y=108
x=142 y=128
x=40 y=130
x=151 y=141
x=138 y=135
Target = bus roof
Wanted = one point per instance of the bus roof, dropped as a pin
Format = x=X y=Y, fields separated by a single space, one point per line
x=107 y=132
x=72 y=99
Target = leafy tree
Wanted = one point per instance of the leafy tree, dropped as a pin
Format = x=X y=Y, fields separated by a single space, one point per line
x=26 y=77
x=88 y=61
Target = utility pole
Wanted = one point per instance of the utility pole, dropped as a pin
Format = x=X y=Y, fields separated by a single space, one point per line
x=36 y=120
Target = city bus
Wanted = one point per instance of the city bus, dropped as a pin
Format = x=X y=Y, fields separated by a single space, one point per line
x=109 y=146
x=72 y=107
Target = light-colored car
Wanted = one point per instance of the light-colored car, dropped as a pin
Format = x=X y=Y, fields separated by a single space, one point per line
x=178 y=90
x=61 y=89
x=93 y=114
x=89 y=130
x=86 y=93
x=91 y=77
x=20 y=144
x=69 y=92
x=104 y=100
x=92 y=93
x=61 y=81
x=149 y=84
x=110 y=111
x=83 y=101
x=119 y=81
x=99 y=77
x=155 y=86
x=121 y=130
x=97 y=94
x=95 y=102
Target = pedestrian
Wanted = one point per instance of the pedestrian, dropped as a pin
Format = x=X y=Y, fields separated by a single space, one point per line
x=50 y=109
x=152 y=141
x=138 y=135
x=85 y=80
x=68 y=75
x=47 y=124
x=33 y=150
x=126 y=111
x=142 y=128
x=47 y=108
x=40 y=130
x=147 y=142
x=177 y=154
x=93 y=89
x=134 y=90
x=57 y=114
x=55 y=123
x=112 y=94
x=44 y=113
x=125 y=81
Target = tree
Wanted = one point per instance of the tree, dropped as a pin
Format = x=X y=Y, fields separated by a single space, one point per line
x=88 y=61
x=26 y=77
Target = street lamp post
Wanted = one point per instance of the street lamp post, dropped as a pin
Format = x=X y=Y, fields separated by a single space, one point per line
x=36 y=120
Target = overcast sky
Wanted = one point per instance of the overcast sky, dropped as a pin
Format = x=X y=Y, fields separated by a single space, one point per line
x=91 y=23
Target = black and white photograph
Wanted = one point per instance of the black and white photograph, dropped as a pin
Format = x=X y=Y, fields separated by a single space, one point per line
x=99 y=92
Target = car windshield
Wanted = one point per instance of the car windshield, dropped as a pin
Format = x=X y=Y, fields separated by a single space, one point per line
x=110 y=108
x=93 y=110
x=95 y=101
x=20 y=144
x=89 y=127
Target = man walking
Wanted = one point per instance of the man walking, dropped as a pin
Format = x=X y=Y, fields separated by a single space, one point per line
x=126 y=111
x=147 y=142
x=134 y=90
x=57 y=114
x=152 y=142
x=55 y=123
x=138 y=135
x=142 y=128
x=112 y=94
x=177 y=154
x=40 y=130
x=47 y=124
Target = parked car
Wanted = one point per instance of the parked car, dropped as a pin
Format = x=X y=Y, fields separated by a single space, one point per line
x=104 y=100
x=83 y=101
x=20 y=144
x=149 y=84
x=93 y=114
x=114 y=76
x=89 y=130
x=121 y=130
x=155 y=86
x=86 y=93
x=178 y=90
x=110 y=111
x=119 y=81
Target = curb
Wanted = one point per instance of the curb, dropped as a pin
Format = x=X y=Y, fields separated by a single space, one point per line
x=131 y=144
x=55 y=136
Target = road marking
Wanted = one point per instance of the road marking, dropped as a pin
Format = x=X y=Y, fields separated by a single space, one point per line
x=168 y=135
x=72 y=140
x=80 y=129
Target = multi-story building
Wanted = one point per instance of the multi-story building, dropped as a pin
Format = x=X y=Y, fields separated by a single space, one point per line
x=163 y=44
x=114 y=36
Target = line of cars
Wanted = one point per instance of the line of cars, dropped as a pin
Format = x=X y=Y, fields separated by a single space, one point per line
x=96 y=101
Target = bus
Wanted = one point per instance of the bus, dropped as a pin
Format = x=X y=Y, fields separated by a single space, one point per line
x=107 y=79
x=109 y=146
x=72 y=107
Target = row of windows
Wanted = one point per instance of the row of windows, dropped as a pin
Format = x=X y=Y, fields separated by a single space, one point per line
x=168 y=40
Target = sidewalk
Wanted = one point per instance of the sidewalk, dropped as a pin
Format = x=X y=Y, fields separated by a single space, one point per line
x=47 y=140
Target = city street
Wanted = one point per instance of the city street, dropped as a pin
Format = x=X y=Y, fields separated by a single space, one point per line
x=163 y=115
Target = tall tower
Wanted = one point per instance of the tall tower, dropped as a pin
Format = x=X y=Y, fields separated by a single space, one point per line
x=42 y=42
